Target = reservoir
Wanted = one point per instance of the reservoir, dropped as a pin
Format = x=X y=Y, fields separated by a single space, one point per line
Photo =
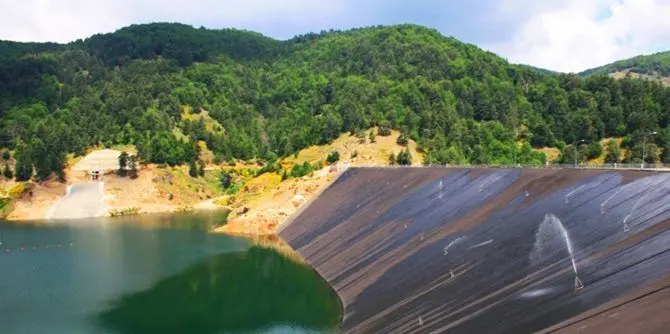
x=155 y=274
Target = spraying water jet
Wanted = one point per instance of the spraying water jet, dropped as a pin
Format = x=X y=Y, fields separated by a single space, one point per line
x=551 y=227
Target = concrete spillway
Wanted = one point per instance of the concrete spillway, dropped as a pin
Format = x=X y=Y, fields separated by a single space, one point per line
x=436 y=250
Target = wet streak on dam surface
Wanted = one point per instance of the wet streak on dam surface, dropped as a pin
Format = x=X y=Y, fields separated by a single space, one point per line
x=434 y=250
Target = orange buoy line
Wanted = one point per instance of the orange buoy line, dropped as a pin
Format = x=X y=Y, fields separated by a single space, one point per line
x=35 y=247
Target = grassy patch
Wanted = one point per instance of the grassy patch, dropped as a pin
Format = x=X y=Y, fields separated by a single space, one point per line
x=6 y=207
x=125 y=212
x=211 y=125
x=184 y=189
x=552 y=153
x=19 y=189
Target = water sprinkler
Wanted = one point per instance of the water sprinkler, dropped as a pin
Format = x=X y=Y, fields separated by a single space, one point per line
x=578 y=284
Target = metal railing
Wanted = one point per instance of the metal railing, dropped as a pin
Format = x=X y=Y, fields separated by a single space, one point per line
x=615 y=166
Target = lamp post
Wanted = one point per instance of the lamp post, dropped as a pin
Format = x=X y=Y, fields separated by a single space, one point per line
x=574 y=146
x=644 y=146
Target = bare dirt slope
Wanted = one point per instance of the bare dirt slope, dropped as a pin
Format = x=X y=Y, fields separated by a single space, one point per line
x=261 y=205
x=264 y=211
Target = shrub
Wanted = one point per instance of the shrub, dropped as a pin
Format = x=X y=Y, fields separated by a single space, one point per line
x=6 y=207
x=225 y=179
x=594 y=150
x=360 y=134
x=301 y=170
x=6 y=155
x=613 y=152
x=402 y=140
x=19 y=189
x=125 y=212
x=333 y=157
x=384 y=129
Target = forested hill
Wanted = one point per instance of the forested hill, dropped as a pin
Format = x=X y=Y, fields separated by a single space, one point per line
x=163 y=87
x=657 y=64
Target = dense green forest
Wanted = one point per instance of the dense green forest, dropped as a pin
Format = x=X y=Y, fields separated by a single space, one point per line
x=657 y=64
x=273 y=98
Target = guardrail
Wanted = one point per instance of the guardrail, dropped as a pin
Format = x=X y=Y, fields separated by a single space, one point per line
x=648 y=167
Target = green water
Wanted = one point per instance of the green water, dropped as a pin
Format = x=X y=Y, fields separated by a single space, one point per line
x=160 y=274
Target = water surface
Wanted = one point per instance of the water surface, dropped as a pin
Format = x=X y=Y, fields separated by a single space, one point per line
x=154 y=274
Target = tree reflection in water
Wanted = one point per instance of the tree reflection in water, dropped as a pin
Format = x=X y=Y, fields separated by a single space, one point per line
x=249 y=291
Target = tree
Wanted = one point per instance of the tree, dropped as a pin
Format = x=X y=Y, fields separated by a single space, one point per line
x=5 y=155
x=373 y=136
x=333 y=157
x=384 y=129
x=123 y=163
x=360 y=134
x=23 y=168
x=402 y=140
x=594 y=150
x=404 y=158
x=193 y=169
x=225 y=179
x=201 y=168
x=392 y=159
x=132 y=165
x=613 y=152
x=7 y=172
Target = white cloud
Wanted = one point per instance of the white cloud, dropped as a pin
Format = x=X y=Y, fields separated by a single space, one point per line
x=564 y=35
x=67 y=20
x=574 y=36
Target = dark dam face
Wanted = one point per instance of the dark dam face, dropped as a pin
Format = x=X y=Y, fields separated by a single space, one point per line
x=485 y=251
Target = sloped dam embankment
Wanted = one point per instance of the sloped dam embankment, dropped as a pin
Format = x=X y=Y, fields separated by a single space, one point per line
x=432 y=250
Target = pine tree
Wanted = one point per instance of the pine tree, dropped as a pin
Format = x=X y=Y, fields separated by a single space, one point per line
x=123 y=163
x=192 y=169
x=132 y=164
x=201 y=168
x=23 y=167
x=7 y=172
x=404 y=158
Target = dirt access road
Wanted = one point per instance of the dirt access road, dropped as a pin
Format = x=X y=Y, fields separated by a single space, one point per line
x=82 y=200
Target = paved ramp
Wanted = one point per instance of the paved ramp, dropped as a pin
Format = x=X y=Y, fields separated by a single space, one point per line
x=433 y=250
x=82 y=200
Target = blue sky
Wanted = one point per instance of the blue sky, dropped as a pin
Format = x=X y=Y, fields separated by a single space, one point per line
x=564 y=35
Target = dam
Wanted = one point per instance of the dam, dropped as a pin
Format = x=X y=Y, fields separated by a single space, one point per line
x=492 y=250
